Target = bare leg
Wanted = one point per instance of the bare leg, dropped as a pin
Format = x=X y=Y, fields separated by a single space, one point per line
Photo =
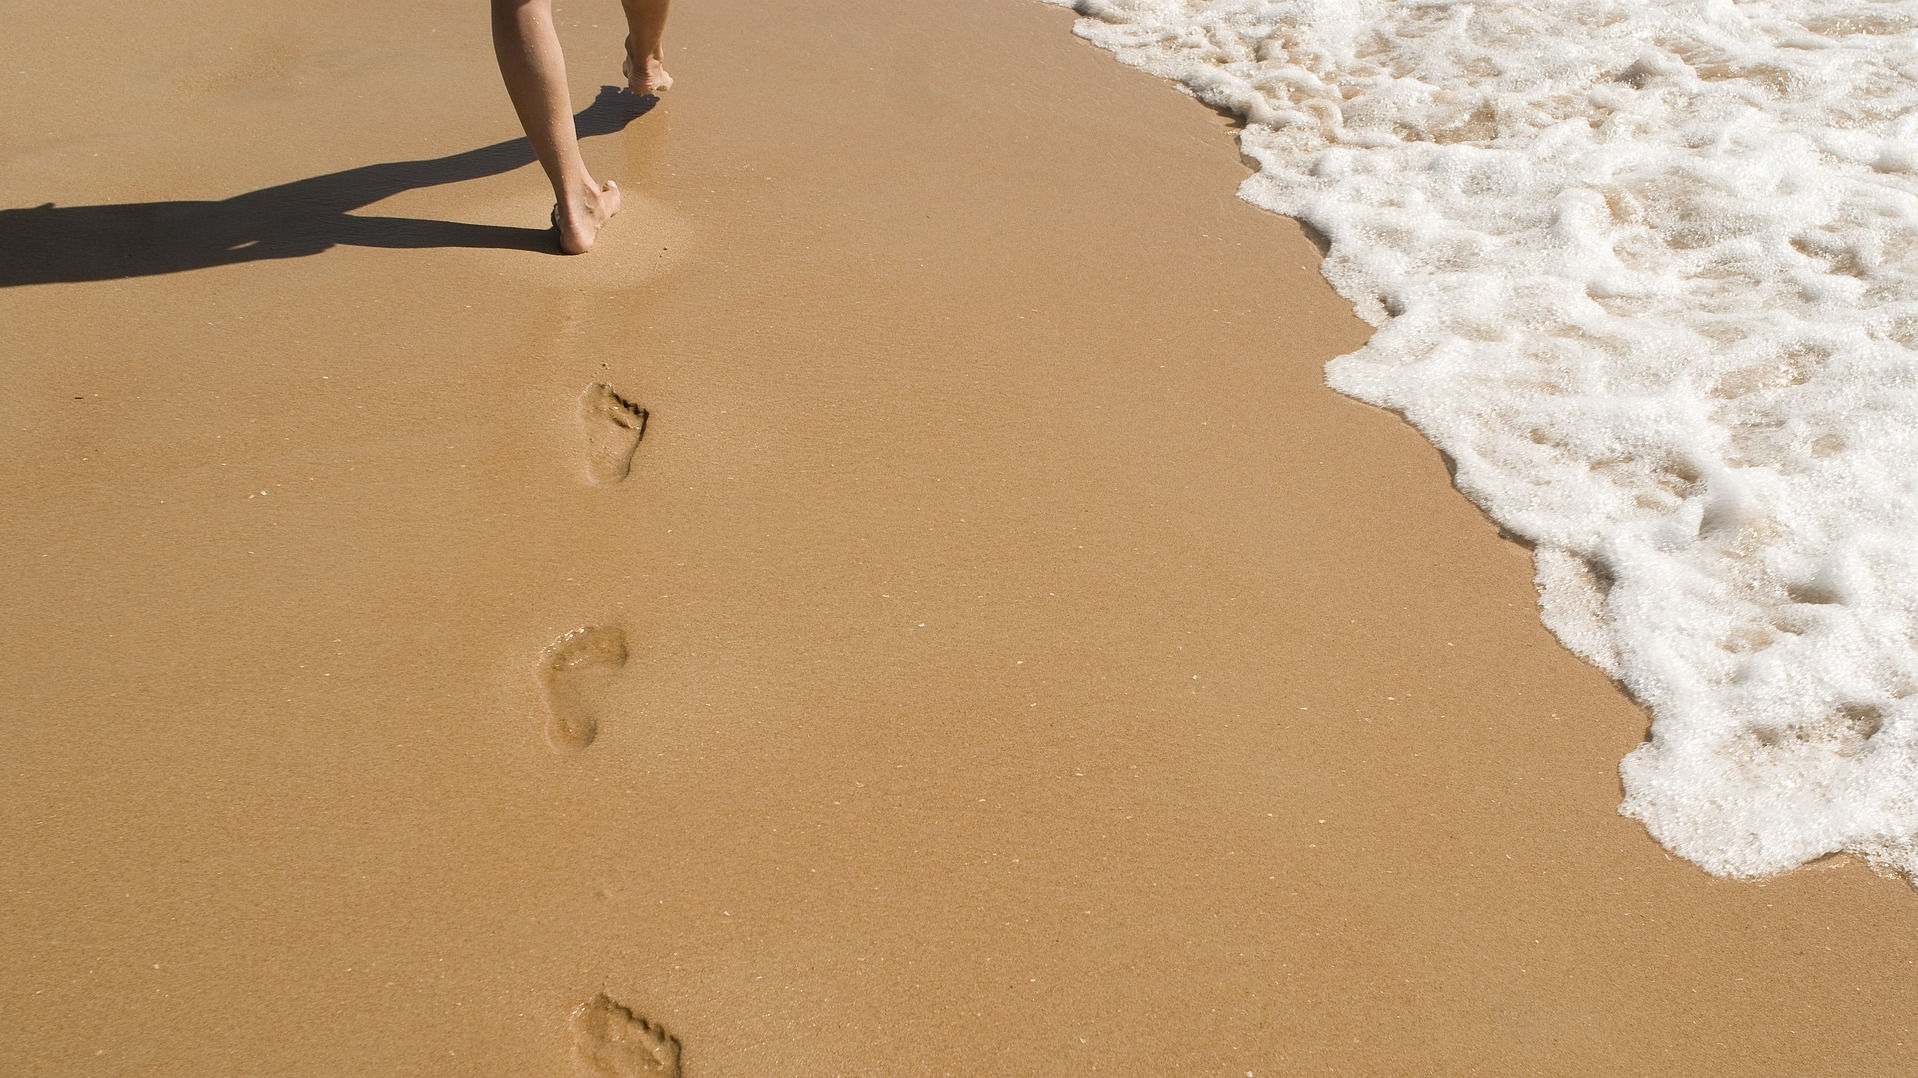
x=535 y=74
x=645 y=62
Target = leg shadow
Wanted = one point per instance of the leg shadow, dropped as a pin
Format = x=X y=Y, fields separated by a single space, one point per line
x=48 y=244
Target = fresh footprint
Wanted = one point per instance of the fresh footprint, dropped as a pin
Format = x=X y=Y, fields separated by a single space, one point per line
x=570 y=668
x=610 y=1041
x=613 y=427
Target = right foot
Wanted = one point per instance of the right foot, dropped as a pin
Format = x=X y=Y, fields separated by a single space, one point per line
x=645 y=75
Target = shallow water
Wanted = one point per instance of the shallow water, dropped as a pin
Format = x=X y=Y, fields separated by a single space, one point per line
x=1648 y=274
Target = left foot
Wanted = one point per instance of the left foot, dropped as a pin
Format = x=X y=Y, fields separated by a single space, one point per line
x=584 y=212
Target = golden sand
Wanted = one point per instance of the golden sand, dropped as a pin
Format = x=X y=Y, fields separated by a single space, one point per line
x=1001 y=654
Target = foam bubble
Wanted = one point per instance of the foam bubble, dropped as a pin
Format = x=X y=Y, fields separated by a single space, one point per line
x=1647 y=270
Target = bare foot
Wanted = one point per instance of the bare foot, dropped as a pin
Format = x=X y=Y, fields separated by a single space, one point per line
x=647 y=76
x=580 y=217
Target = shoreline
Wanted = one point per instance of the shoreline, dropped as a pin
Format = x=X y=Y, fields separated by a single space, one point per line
x=1032 y=667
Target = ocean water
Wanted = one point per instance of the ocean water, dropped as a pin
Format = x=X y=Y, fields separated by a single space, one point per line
x=1647 y=270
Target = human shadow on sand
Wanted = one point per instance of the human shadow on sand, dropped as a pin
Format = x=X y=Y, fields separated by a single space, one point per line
x=49 y=243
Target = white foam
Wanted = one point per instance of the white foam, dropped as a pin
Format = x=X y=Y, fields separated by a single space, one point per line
x=1647 y=270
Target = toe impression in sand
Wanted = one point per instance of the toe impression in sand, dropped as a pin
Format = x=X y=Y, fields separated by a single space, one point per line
x=610 y=1041
x=613 y=427
x=570 y=669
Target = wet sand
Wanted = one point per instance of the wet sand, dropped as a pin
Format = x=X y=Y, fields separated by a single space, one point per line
x=1004 y=655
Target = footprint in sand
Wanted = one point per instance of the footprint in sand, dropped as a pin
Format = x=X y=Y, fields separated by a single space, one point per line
x=569 y=668
x=613 y=427
x=610 y=1041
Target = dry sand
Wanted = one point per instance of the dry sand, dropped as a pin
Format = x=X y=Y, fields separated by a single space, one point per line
x=1030 y=668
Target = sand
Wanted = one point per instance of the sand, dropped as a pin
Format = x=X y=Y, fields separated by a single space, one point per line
x=1004 y=655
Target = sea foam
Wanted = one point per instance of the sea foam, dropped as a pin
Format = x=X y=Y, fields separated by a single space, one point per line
x=1647 y=271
